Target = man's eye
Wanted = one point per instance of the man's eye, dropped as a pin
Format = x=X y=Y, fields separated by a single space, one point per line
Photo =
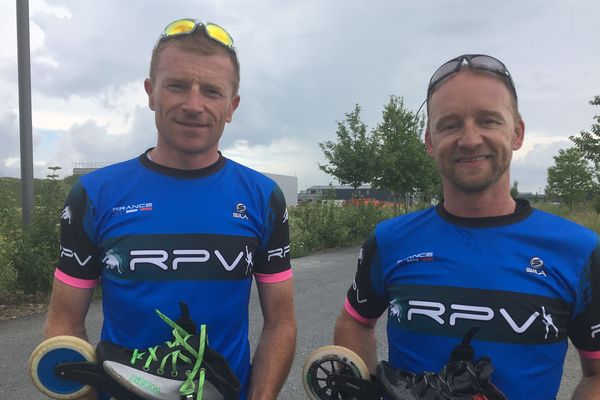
x=211 y=92
x=490 y=121
x=449 y=127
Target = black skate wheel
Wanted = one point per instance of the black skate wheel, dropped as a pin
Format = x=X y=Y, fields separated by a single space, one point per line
x=326 y=360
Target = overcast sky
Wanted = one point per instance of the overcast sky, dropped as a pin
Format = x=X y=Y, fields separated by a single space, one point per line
x=304 y=64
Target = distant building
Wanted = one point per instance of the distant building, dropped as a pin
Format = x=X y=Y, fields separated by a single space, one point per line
x=82 y=168
x=533 y=197
x=288 y=184
x=342 y=192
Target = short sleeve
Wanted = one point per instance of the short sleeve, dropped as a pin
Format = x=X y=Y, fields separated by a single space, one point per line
x=273 y=257
x=365 y=300
x=584 y=328
x=79 y=262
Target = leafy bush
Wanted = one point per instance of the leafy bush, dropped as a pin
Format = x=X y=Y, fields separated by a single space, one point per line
x=8 y=275
x=31 y=253
x=9 y=221
x=596 y=204
x=327 y=225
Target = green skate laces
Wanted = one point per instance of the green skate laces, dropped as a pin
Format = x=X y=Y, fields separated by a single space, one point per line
x=181 y=337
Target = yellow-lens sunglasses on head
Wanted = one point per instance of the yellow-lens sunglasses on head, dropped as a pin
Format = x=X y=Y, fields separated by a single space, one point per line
x=188 y=26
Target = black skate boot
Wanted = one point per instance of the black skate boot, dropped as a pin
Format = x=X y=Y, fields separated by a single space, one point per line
x=460 y=379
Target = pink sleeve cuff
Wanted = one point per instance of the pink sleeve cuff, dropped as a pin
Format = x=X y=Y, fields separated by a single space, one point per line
x=75 y=282
x=593 y=355
x=274 y=278
x=354 y=314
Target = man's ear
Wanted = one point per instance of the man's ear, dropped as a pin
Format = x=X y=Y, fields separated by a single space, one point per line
x=428 y=144
x=149 y=88
x=519 y=135
x=235 y=102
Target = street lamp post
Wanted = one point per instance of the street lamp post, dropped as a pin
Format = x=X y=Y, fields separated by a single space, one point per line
x=25 y=126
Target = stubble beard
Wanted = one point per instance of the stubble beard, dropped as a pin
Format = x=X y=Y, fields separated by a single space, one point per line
x=477 y=181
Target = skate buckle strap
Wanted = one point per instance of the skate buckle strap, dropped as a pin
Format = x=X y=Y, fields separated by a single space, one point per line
x=464 y=351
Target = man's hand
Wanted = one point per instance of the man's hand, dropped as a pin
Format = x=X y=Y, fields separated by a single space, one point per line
x=93 y=395
x=66 y=315
x=357 y=337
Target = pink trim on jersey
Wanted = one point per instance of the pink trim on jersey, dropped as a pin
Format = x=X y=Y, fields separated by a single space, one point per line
x=354 y=314
x=273 y=278
x=75 y=282
x=593 y=355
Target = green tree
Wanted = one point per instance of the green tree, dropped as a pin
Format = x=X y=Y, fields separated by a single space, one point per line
x=402 y=164
x=514 y=189
x=350 y=159
x=53 y=175
x=588 y=143
x=570 y=178
x=70 y=180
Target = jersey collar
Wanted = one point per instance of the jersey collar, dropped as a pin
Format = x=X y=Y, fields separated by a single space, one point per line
x=182 y=173
x=522 y=210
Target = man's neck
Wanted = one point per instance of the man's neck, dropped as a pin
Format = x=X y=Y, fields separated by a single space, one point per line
x=183 y=161
x=490 y=203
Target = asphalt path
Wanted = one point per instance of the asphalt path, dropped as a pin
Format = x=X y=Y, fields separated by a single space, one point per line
x=321 y=282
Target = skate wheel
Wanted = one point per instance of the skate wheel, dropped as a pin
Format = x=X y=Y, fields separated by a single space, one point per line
x=323 y=362
x=54 y=351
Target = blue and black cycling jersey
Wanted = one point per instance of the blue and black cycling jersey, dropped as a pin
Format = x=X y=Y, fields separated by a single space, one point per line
x=154 y=236
x=531 y=280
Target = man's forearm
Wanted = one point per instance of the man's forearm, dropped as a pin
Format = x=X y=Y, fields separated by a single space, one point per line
x=67 y=311
x=358 y=338
x=66 y=315
x=272 y=361
x=588 y=389
x=55 y=327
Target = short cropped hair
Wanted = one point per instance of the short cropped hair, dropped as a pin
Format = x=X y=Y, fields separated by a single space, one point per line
x=197 y=42
x=503 y=79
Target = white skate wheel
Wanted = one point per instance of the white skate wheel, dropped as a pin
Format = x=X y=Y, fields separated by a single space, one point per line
x=54 y=351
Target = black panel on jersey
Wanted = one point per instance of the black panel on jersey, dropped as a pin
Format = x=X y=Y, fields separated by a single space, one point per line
x=276 y=255
x=503 y=316
x=362 y=295
x=179 y=257
x=588 y=322
x=78 y=255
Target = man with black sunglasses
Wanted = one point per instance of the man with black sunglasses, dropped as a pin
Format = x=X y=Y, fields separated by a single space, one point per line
x=181 y=223
x=480 y=258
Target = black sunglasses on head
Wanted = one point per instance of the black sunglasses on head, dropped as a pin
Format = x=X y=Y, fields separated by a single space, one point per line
x=474 y=61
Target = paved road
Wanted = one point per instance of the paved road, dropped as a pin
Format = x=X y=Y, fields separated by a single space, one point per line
x=321 y=284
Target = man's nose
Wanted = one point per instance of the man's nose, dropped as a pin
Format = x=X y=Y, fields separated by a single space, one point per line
x=194 y=101
x=471 y=135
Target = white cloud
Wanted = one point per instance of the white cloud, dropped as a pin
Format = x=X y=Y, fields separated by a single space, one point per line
x=285 y=156
x=112 y=107
x=536 y=140
x=530 y=164
x=304 y=65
